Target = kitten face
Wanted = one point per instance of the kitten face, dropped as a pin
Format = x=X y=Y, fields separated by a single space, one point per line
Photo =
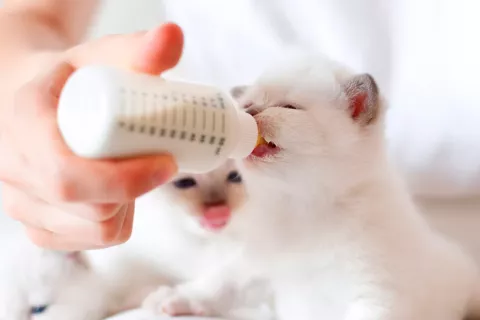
x=211 y=198
x=311 y=111
x=38 y=281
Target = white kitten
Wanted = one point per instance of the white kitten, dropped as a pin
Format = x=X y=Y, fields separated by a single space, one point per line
x=41 y=284
x=182 y=231
x=328 y=220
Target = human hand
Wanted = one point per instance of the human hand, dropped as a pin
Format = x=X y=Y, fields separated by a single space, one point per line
x=66 y=202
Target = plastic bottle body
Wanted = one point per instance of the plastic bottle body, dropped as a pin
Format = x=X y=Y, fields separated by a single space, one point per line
x=110 y=113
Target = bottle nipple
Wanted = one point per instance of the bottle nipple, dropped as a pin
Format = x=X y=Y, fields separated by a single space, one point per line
x=260 y=141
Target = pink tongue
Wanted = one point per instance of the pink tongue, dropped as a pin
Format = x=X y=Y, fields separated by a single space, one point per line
x=215 y=217
x=260 y=150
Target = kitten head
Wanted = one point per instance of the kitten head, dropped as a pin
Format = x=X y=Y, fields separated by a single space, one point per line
x=316 y=117
x=52 y=273
x=38 y=280
x=210 y=198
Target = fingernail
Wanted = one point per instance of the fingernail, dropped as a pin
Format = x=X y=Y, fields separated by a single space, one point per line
x=166 y=169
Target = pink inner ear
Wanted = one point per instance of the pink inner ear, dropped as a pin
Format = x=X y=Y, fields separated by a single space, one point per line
x=358 y=104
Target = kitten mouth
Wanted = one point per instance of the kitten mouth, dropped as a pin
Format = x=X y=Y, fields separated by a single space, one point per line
x=216 y=217
x=265 y=148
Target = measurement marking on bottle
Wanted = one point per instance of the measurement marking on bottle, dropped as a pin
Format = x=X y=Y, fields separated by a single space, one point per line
x=214 y=114
x=193 y=137
x=204 y=119
x=202 y=138
x=183 y=135
x=152 y=131
x=194 y=118
x=164 y=116
x=221 y=143
x=154 y=107
x=222 y=103
x=174 y=116
x=143 y=113
x=212 y=139
x=133 y=100
x=223 y=123
x=184 y=116
x=162 y=132
x=173 y=133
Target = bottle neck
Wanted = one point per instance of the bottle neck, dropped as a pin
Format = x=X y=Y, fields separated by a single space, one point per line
x=247 y=135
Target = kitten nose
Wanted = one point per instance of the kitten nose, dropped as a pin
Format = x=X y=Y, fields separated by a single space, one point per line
x=220 y=203
x=215 y=198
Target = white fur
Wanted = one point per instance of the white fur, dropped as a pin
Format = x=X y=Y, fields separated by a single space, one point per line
x=31 y=276
x=329 y=221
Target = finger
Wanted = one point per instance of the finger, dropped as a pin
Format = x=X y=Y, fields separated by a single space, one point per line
x=161 y=49
x=52 y=80
x=49 y=240
x=99 y=212
x=38 y=214
x=126 y=50
x=109 y=181
x=114 y=50
x=93 y=212
x=35 y=103
x=127 y=226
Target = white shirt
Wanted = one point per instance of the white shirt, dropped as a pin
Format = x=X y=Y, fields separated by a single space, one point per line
x=425 y=55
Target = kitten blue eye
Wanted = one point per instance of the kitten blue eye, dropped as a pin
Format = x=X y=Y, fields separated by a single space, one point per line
x=185 y=183
x=38 y=309
x=234 y=177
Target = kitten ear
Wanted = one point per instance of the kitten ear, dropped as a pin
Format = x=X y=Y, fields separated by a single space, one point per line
x=238 y=91
x=363 y=97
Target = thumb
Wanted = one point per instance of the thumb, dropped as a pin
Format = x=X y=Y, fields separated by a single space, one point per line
x=161 y=49
x=150 y=52
x=52 y=79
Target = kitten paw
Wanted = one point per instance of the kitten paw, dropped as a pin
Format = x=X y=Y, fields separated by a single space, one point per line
x=173 y=302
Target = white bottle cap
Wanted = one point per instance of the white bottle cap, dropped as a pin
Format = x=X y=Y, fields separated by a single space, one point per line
x=247 y=133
